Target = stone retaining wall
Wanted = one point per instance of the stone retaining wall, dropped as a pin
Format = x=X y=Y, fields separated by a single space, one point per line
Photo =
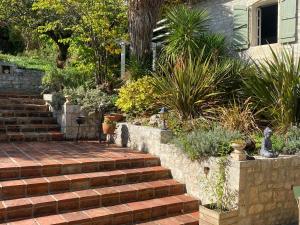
x=263 y=186
x=14 y=79
x=66 y=118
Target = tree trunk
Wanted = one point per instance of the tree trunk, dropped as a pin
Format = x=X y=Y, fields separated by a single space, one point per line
x=142 y=18
x=63 y=47
x=62 y=56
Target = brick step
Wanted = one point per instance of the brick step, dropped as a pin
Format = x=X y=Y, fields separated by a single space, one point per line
x=24 y=113
x=31 y=136
x=24 y=107
x=185 y=219
x=86 y=199
x=26 y=120
x=13 y=100
x=130 y=213
x=56 y=165
x=39 y=186
x=18 y=95
x=30 y=128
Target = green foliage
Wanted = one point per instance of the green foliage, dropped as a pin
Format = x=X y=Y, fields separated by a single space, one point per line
x=276 y=88
x=102 y=25
x=91 y=28
x=292 y=141
x=70 y=77
x=27 y=61
x=91 y=100
x=137 y=69
x=58 y=99
x=207 y=142
x=223 y=197
x=11 y=40
x=189 y=34
x=190 y=89
x=187 y=27
x=137 y=97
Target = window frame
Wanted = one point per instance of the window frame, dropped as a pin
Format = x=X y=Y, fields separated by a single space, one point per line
x=255 y=27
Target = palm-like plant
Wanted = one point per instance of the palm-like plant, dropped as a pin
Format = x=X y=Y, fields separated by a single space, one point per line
x=190 y=89
x=186 y=29
x=188 y=34
x=276 y=88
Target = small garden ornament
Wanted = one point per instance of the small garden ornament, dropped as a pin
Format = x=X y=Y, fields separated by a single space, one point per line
x=266 y=146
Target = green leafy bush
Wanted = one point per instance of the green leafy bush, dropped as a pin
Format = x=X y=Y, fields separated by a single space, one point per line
x=71 y=77
x=91 y=100
x=58 y=99
x=207 y=142
x=292 y=141
x=137 y=97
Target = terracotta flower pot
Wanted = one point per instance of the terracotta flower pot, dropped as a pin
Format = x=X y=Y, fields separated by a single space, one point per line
x=213 y=217
x=108 y=128
x=114 y=117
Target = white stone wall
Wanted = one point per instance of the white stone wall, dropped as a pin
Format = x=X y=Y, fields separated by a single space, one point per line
x=263 y=186
x=221 y=12
x=66 y=118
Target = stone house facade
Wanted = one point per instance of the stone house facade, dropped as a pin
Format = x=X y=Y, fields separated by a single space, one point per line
x=252 y=25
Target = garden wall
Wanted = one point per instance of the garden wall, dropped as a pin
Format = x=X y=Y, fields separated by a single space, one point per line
x=263 y=186
x=66 y=118
x=14 y=79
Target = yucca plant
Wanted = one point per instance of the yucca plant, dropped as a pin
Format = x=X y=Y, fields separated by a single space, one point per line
x=190 y=89
x=186 y=30
x=188 y=34
x=276 y=88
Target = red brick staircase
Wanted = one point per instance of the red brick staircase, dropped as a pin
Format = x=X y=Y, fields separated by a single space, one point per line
x=26 y=118
x=88 y=184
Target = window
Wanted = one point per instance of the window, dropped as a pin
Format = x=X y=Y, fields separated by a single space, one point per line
x=267 y=24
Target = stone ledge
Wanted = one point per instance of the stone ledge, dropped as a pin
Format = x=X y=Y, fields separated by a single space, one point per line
x=263 y=186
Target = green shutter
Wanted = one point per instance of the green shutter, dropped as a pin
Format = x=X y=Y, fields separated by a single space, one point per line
x=241 y=27
x=288 y=20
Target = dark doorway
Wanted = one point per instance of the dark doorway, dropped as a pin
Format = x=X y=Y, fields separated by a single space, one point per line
x=269 y=24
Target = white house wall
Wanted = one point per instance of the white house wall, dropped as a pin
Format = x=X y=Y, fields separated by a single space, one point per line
x=221 y=13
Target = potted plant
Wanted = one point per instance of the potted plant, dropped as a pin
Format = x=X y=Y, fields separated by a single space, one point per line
x=117 y=117
x=222 y=210
x=109 y=126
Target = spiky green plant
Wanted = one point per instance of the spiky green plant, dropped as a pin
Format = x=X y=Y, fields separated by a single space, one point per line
x=186 y=30
x=190 y=89
x=276 y=88
x=188 y=34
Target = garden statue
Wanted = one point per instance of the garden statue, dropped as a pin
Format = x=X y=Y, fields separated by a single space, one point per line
x=266 y=145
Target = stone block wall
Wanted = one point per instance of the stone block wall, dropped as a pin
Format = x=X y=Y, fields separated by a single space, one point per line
x=265 y=191
x=66 y=118
x=155 y=141
x=263 y=187
x=14 y=79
